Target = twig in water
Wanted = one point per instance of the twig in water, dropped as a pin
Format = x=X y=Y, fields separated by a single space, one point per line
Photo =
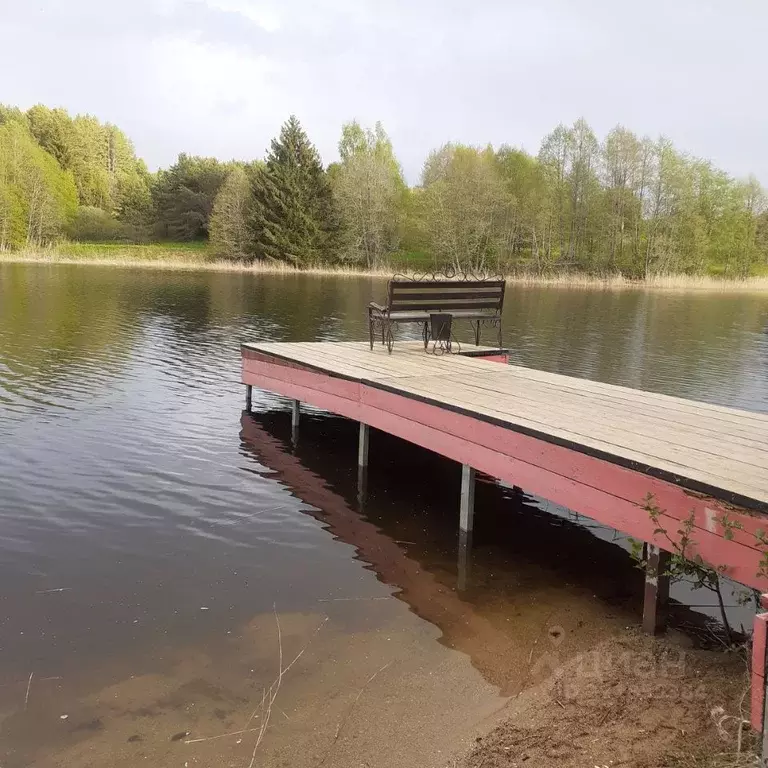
x=274 y=689
x=264 y=693
x=343 y=721
x=220 y=736
x=350 y=599
x=48 y=591
x=29 y=685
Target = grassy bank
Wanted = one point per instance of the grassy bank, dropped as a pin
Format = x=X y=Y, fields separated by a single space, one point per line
x=196 y=256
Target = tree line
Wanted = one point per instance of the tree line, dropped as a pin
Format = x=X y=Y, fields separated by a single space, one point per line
x=626 y=204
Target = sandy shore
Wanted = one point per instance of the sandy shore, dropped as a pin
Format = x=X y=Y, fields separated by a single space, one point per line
x=630 y=701
x=372 y=687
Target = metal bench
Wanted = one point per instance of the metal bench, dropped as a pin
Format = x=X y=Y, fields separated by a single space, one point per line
x=479 y=301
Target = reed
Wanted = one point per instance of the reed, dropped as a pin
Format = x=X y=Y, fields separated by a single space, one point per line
x=179 y=258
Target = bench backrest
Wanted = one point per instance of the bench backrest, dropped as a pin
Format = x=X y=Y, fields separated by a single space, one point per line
x=445 y=295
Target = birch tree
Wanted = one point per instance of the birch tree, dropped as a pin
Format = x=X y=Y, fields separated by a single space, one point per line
x=369 y=190
x=467 y=210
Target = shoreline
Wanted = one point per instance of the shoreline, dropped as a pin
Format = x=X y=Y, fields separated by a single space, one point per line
x=667 y=282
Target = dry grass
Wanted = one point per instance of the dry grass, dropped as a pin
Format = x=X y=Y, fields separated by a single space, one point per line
x=703 y=760
x=178 y=259
x=172 y=262
x=702 y=283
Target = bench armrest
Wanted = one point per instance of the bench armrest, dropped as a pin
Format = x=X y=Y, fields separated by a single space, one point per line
x=377 y=307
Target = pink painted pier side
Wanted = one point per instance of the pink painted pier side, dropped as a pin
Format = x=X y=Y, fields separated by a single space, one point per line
x=594 y=448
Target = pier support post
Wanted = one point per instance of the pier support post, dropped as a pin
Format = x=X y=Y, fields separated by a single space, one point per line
x=362 y=465
x=248 y=396
x=465 y=560
x=362 y=487
x=295 y=415
x=467 y=505
x=656 y=598
x=362 y=446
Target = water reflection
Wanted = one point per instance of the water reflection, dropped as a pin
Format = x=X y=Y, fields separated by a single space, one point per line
x=523 y=550
x=528 y=569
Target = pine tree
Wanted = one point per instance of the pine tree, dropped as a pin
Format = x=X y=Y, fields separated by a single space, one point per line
x=294 y=218
x=183 y=197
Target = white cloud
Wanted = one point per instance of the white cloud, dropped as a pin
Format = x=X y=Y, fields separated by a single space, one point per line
x=194 y=77
x=259 y=13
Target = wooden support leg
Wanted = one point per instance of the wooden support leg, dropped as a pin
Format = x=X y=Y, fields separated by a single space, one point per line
x=248 y=396
x=362 y=446
x=759 y=678
x=467 y=505
x=656 y=591
x=764 y=693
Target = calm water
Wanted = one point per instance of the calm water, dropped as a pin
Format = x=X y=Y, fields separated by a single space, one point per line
x=142 y=514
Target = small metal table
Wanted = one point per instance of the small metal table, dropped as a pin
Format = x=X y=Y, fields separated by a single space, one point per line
x=438 y=331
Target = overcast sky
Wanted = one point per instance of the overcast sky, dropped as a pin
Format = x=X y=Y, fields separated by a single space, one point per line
x=218 y=77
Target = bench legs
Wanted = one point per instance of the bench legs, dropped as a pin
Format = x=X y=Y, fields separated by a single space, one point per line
x=477 y=324
x=383 y=323
x=370 y=329
x=386 y=325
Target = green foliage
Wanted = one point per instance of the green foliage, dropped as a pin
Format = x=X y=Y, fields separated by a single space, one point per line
x=627 y=204
x=370 y=193
x=183 y=197
x=37 y=198
x=8 y=114
x=465 y=208
x=294 y=216
x=102 y=160
x=230 y=235
x=686 y=564
x=95 y=225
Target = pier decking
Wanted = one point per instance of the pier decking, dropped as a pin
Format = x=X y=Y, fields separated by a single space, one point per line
x=595 y=448
x=719 y=451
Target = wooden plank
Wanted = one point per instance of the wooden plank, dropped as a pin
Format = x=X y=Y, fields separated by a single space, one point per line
x=741 y=428
x=696 y=465
x=400 y=285
x=558 y=384
x=635 y=395
x=417 y=295
x=690 y=432
x=377 y=367
x=450 y=303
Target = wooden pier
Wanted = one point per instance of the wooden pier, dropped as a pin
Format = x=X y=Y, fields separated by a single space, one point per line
x=605 y=451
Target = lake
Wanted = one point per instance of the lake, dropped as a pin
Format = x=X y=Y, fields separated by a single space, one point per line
x=160 y=550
